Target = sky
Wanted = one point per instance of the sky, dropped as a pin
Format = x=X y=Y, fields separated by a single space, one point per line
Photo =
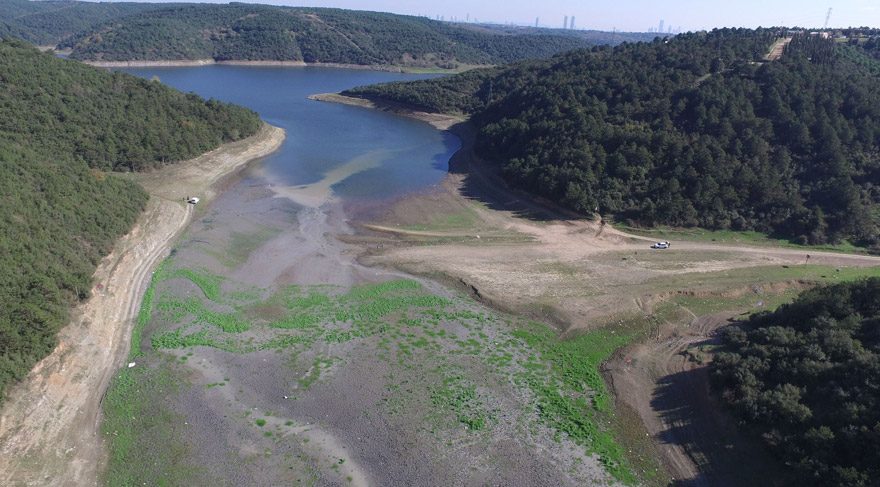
x=627 y=15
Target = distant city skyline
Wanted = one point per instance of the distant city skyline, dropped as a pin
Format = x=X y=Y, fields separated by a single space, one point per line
x=624 y=15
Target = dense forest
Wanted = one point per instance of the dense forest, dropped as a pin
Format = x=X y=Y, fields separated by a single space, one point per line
x=595 y=37
x=805 y=378
x=48 y=22
x=62 y=125
x=696 y=130
x=261 y=32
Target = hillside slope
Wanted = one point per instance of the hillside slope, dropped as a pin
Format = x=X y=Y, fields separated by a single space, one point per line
x=314 y=35
x=51 y=21
x=62 y=125
x=693 y=131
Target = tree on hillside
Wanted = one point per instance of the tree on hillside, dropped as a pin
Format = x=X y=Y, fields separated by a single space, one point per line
x=807 y=379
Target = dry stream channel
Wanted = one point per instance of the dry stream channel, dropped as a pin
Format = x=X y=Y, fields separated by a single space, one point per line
x=267 y=355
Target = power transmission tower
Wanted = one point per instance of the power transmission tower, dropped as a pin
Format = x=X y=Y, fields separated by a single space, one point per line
x=828 y=17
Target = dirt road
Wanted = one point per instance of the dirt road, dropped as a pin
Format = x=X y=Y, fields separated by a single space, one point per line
x=49 y=426
x=666 y=382
x=777 y=49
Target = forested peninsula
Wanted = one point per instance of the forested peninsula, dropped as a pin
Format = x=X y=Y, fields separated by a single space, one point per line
x=696 y=130
x=64 y=129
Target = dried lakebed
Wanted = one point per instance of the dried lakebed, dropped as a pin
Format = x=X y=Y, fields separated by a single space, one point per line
x=265 y=354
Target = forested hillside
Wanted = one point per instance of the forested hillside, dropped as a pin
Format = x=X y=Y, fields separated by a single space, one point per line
x=596 y=37
x=691 y=131
x=62 y=125
x=804 y=378
x=51 y=21
x=261 y=32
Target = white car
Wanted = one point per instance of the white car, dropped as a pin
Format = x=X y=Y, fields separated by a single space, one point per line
x=660 y=245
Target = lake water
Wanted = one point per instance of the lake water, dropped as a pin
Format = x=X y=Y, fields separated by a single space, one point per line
x=368 y=154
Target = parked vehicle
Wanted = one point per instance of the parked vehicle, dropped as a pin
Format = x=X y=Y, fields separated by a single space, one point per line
x=660 y=245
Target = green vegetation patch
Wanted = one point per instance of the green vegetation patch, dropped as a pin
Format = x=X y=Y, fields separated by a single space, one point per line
x=414 y=329
x=571 y=393
x=457 y=395
x=145 y=312
x=314 y=373
x=145 y=438
x=207 y=282
x=240 y=245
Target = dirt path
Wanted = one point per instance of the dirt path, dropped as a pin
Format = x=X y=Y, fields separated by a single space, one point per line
x=666 y=382
x=49 y=426
x=777 y=49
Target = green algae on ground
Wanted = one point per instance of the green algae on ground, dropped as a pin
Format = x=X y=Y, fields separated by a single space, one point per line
x=410 y=327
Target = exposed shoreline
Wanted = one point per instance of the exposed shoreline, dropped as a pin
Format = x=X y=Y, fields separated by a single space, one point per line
x=437 y=120
x=295 y=64
x=50 y=424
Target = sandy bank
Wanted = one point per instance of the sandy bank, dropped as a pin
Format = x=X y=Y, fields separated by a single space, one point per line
x=437 y=120
x=49 y=426
x=295 y=64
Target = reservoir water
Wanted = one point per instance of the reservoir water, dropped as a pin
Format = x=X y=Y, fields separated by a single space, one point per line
x=374 y=154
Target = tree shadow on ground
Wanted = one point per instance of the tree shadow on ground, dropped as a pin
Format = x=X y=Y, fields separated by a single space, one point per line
x=725 y=455
x=483 y=183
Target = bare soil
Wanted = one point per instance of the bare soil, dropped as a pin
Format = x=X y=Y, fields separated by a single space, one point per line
x=580 y=269
x=49 y=425
x=777 y=49
x=665 y=380
x=437 y=120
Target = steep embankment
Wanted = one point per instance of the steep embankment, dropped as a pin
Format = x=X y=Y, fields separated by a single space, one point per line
x=64 y=125
x=693 y=131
